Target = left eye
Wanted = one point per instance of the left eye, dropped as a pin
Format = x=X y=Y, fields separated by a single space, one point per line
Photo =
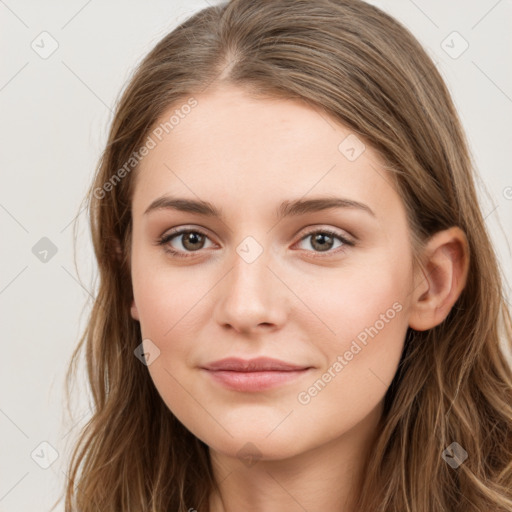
x=193 y=241
x=323 y=240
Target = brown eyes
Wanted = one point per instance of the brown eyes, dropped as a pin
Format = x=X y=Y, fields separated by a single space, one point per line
x=193 y=240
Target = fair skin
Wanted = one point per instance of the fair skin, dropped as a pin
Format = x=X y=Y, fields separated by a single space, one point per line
x=294 y=302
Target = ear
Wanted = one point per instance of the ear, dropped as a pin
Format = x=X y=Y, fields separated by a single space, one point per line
x=438 y=286
x=116 y=249
x=134 y=311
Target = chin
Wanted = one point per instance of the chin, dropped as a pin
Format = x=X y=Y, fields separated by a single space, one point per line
x=251 y=445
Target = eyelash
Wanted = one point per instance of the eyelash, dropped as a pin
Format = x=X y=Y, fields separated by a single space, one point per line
x=164 y=240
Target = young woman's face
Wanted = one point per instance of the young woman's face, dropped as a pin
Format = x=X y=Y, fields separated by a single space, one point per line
x=326 y=290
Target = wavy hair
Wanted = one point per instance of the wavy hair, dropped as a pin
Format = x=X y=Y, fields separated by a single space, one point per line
x=453 y=384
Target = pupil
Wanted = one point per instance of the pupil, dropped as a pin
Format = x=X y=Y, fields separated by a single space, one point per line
x=192 y=238
x=320 y=239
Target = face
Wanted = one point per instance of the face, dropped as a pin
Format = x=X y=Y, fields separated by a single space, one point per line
x=325 y=289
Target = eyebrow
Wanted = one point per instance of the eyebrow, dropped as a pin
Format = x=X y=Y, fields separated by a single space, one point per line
x=287 y=208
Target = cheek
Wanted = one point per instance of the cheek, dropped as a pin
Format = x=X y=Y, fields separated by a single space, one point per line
x=168 y=303
x=353 y=300
x=166 y=298
x=366 y=308
x=360 y=366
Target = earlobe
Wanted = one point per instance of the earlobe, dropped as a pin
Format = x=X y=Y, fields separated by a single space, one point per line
x=134 y=312
x=446 y=263
x=117 y=251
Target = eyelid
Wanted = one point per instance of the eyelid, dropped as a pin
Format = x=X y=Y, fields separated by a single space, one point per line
x=344 y=235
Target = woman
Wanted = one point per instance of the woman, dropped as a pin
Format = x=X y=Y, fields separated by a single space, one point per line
x=299 y=306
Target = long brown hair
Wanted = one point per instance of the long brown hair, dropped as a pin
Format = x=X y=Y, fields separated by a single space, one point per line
x=453 y=384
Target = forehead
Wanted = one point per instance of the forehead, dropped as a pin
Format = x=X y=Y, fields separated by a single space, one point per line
x=232 y=147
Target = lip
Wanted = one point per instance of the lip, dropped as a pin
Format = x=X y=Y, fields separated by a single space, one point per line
x=255 y=374
x=258 y=364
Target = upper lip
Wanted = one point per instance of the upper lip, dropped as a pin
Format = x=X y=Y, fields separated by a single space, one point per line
x=259 y=364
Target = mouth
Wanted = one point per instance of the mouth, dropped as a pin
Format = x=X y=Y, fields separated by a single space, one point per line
x=255 y=374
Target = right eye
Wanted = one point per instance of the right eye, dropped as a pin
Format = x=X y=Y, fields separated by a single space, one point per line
x=191 y=240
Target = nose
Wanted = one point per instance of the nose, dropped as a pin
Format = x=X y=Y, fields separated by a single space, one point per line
x=251 y=298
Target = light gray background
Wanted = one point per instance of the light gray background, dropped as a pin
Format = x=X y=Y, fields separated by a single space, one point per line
x=55 y=114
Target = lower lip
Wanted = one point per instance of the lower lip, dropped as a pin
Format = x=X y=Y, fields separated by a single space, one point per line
x=254 y=381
